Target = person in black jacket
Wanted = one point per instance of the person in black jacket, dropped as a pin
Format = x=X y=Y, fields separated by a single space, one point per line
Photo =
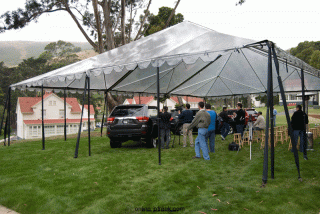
x=299 y=120
x=240 y=119
x=186 y=118
x=225 y=123
x=165 y=127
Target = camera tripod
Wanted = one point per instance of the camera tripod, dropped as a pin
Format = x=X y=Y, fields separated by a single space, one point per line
x=249 y=129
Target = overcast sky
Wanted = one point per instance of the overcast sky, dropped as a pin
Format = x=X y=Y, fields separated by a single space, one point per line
x=286 y=22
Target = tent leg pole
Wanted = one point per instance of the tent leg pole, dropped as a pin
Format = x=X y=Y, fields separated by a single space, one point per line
x=42 y=117
x=89 y=123
x=65 y=114
x=158 y=116
x=9 y=116
x=265 y=159
x=304 y=147
x=6 y=130
x=80 y=125
x=104 y=110
x=271 y=115
x=283 y=97
x=107 y=108
x=4 y=111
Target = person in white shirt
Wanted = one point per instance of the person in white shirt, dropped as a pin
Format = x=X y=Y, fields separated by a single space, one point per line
x=260 y=124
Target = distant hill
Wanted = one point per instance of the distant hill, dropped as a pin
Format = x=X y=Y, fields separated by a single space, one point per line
x=13 y=52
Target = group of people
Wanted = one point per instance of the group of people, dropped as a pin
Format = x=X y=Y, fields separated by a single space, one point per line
x=206 y=118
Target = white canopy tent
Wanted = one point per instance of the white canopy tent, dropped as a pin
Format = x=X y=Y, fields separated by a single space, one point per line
x=193 y=60
x=186 y=59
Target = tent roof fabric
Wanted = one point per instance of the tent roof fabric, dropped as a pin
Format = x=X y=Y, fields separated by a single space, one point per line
x=193 y=61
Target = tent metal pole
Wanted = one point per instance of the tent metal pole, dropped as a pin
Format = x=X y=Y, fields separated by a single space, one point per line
x=4 y=111
x=189 y=78
x=271 y=114
x=65 y=115
x=158 y=116
x=139 y=98
x=89 y=123
x=9 y=116
x=107 y=108
x=304 y=117
x=42 y=117
x=265 y=159
x=5 y=130
x=80 y=125
x=104 y=110
x=283 y=97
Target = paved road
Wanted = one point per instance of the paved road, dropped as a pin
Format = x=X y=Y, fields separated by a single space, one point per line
x=4 y=210
x=283 y=113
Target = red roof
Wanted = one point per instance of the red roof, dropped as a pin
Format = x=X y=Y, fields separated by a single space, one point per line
x=91 y=108
x=54 y=121
x=189 y=100
x=143 y=100
x=192 y=99
x=130 y=101
x=75 y=107
x=26 y=103
x=175 y=99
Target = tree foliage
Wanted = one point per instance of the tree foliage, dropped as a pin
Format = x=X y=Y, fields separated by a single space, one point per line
x=157 y=22
x=308 y=52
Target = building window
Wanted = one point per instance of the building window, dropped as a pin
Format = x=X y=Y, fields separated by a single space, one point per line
x=50 y=103
x=74 y=128
x=61 y=113
x=49 y=130
x=60 y=129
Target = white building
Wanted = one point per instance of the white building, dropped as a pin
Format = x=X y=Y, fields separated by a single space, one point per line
x=29 y=117
x=292 y=99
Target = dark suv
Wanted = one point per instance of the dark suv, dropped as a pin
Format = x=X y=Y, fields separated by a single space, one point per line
x=132 y=122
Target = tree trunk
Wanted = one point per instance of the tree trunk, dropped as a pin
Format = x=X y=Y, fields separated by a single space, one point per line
x=97 y=17
x=80 y=27
x=130 y=28
x=180 y=100
x=143 y=21
x=123 y=19
x=108 y=24
x=171 y=15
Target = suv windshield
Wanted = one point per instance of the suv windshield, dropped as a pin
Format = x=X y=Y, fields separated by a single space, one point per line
x=127 y=111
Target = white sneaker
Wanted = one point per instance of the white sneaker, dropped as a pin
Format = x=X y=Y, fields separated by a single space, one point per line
x=222 y=138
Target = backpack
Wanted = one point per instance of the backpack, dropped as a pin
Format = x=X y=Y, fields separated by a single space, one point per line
x=233 y=146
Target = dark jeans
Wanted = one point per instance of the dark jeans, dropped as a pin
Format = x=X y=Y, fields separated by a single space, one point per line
x=303 y=141
x=211 y=136
x=225 y=129
x=165 y=135
x=239 y=128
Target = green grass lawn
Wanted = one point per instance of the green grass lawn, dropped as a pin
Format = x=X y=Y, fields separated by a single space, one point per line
x=127 y=179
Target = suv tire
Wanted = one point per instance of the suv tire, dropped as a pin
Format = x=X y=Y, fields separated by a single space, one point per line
x=115 y=144
x=151 y=142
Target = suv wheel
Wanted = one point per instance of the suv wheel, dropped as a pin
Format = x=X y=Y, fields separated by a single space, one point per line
x=115 y=144
x=151 y=142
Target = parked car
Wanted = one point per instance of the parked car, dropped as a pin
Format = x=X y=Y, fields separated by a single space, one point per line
x=132 y=122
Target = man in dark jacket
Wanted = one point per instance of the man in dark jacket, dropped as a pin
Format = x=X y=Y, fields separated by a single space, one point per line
x=240 y=119
x=225 y=123
x=186 y=117
x=165 y=127
x=299 y=120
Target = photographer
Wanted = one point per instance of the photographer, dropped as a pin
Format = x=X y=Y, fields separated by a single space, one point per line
x=186 y=118
x=240 y=119
x=225 y=126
